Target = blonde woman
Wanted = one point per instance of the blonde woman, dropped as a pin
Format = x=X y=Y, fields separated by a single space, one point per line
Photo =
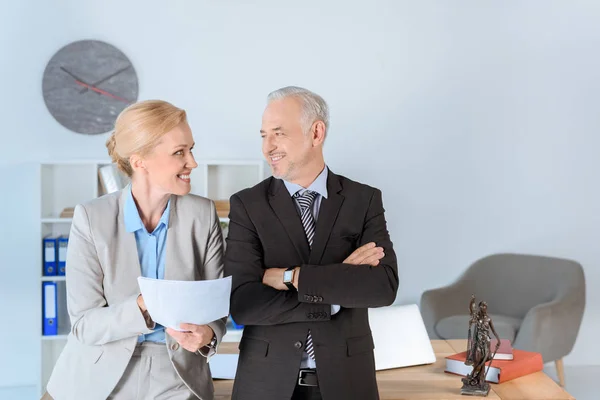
x=152 y=228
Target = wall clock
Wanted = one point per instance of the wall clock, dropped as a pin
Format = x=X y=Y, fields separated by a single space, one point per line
x=87 y=84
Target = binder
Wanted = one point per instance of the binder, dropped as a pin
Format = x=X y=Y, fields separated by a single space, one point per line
x=63 y=241
x=49 y=309
x=235 y=325
x=50 y=261
x=110 y=178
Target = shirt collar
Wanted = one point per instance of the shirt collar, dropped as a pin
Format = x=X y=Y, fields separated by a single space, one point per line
x=131 y=215
x=319 y=185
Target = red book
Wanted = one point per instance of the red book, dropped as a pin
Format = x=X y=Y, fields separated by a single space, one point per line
x=523 y=363
x=505 y=351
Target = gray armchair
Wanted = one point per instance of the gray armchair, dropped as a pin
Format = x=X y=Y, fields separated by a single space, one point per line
x=536 y=302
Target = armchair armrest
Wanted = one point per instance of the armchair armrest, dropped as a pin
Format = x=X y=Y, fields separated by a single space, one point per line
x=443 y=302
x=551 y=328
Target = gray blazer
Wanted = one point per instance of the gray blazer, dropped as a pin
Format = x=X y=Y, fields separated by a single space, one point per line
x=102 y=288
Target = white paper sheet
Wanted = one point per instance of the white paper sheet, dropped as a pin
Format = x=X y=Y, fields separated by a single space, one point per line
x=223 y=366
x=171 y=303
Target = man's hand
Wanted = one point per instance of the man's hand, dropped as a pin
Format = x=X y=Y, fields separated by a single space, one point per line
x=274 y=277
x=368 y=254
x=194 y=338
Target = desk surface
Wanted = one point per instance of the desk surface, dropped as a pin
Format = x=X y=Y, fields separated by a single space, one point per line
x=431 y=382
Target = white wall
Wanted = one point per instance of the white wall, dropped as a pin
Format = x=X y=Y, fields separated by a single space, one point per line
x=478 y=120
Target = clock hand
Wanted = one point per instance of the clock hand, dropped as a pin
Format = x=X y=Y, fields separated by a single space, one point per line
x=105 y=79
x=73 y=75
x=100 y=91
x=81 y=82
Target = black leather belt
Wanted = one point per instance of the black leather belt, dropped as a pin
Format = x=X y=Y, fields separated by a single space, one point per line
x=308 y=377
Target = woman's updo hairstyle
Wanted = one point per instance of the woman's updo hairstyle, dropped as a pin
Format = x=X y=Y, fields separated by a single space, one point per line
x=138 y=129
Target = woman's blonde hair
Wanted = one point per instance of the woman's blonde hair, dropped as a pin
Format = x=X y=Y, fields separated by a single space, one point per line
x=138 y=129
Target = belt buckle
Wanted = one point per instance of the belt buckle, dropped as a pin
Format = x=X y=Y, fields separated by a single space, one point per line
x=302 y=374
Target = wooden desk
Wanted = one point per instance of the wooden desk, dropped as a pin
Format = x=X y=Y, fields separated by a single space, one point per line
x=431 y=382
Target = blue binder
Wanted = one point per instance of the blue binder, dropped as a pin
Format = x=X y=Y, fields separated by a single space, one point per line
x=63 y=241
x=235 y=326
x=50 y=262
x=49 y=309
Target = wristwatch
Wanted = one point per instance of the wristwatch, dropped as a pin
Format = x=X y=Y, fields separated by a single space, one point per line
x=211 y=347
x=288 y=278
x=213 y=341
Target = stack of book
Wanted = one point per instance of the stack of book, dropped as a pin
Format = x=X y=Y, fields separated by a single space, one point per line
x=67 y=212
x=222 y=207
x=508 y=363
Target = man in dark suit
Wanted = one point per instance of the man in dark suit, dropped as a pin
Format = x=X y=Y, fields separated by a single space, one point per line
x=309 y=252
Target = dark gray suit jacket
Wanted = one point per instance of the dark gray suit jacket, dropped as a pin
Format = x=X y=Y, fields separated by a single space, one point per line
x=265 y=231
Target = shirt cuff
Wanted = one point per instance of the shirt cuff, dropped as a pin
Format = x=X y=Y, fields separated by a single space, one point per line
x=335 y=308
x=210 y=349
x=207 y=352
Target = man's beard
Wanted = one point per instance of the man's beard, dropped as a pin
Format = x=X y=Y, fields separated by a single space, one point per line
x=288 y=174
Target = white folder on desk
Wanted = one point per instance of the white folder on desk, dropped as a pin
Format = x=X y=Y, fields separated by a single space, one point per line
x=400 y=337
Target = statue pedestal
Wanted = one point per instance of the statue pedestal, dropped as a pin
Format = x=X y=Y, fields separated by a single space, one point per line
x=469 y=389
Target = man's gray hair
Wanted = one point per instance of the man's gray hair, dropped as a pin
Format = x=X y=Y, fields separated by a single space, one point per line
x=314 y=108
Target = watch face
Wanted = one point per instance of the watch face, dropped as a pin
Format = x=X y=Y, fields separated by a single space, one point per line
x=86 y=85
x=288 y=275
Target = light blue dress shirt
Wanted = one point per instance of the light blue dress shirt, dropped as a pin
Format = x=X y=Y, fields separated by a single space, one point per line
x=319 y=185
x=151 y=250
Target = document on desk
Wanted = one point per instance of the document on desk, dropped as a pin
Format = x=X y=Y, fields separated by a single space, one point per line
x=171 y=303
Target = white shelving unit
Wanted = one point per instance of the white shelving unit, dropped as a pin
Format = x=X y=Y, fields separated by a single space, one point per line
x=63 y=184
x=67 y=183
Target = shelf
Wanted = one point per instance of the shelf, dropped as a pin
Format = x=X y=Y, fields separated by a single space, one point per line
x=55 y=337
x=57 y=220
x=54 y=278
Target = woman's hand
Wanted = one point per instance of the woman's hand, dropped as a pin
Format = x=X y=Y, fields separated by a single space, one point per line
x=141 y=304
x=194 y=338
x=149 y=322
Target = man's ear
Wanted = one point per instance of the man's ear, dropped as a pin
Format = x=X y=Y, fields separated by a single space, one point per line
x=317 y=132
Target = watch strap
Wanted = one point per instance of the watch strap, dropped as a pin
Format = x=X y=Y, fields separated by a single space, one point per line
x=290 y=284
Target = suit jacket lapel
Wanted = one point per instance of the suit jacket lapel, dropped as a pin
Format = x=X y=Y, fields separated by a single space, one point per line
x=129 y=261
x=175 y=267
x=328 y=212
x=283 y=206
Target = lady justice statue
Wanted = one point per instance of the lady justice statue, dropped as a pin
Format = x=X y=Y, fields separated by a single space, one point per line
x=478 y=349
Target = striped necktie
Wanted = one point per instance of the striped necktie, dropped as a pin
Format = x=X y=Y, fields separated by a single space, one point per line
x=305 y=201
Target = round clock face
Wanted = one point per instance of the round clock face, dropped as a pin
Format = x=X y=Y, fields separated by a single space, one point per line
x=87 y=84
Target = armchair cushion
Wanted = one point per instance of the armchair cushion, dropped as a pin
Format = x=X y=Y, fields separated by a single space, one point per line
x=456 y=327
